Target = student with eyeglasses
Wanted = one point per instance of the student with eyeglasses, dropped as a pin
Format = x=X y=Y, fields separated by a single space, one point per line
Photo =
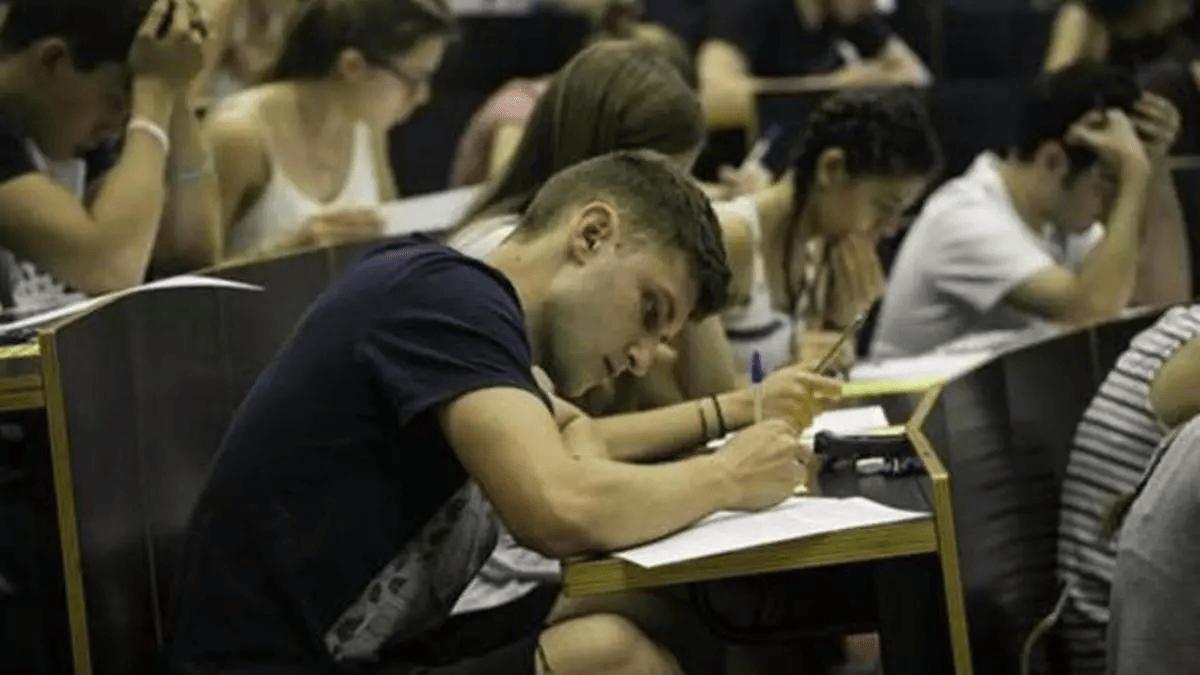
x=302 y=159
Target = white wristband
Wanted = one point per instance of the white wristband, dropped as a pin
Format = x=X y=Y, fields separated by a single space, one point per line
x=144 y=125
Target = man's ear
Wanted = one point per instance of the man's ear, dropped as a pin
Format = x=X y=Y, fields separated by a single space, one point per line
x=52 y=55
x=594 y=227
x=1051 y=157
x=831 y=168
x=352 y=65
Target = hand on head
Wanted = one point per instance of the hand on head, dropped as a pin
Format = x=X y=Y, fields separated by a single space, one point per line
x=1157 y=121
x=169 y=45
x=1111 y=135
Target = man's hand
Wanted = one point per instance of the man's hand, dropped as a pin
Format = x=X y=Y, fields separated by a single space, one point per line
x=858 y=280
x=745 y=180
x=813 y=345
x=764 y=464
x=1157 y=122
x=169 y=46
x=339 y=227
x=796 y=395
x=1111 y=135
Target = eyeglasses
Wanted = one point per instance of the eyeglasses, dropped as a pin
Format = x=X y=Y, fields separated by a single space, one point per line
x=406 y=77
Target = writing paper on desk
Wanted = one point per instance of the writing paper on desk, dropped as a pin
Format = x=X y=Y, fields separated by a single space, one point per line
x=182 y=281
x=848 y=421
x=796 y=518
x=844 y=422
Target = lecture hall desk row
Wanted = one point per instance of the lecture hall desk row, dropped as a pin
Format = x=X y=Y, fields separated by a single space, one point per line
x=117 y=413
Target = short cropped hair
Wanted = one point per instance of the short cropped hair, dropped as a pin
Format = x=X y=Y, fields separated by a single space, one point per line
x=96 y=31
x=1059 y=99
x=655 y=199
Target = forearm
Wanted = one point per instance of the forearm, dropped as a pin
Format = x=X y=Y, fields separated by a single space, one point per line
x=624 y=505
x=727 y=100
x=1107 y=276
x=190 y=237
x=1164 y=262
x=877 y=73
x=129 y=205
x=665 y=432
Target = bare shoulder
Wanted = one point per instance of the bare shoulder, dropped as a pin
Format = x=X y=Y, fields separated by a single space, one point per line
x=739 y=251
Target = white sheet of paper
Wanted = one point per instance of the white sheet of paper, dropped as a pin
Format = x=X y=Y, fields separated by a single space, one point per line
x=944 y=366
x=796 y=518
x=427 y=213
x=182 y=281
x=849 y=421
x=846 y=421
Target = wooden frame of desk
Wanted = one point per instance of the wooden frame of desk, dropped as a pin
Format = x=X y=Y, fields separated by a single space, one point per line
x=934 y=535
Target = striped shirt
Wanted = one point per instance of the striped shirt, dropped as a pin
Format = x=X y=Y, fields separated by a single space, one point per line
x=1113 y=446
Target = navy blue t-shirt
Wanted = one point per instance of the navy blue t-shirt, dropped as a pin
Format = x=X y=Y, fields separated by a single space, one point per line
x=337 y=518
x=772 y=37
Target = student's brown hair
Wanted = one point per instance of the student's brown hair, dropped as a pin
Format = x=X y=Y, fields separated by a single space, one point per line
x=656 y=199
x=614 y=95
x=380 y=29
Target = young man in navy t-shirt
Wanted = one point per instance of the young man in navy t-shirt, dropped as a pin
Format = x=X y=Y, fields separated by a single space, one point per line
x=353 y=499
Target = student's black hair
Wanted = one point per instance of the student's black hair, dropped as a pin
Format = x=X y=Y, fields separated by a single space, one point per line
x=381 y=29
x=1059 y=99
x=96 y=31
x=655 y=199
x=883 y=133
x=614 y=95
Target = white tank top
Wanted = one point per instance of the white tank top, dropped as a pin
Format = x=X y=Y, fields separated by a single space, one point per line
x=283 y=208
x=757 y=325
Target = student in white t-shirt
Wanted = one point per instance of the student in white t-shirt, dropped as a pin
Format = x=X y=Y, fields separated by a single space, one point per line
x=1015 y=240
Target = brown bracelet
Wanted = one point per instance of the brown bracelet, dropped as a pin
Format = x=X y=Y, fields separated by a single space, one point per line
x=720 y=418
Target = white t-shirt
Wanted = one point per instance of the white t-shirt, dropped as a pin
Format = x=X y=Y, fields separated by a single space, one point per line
x=966 y=251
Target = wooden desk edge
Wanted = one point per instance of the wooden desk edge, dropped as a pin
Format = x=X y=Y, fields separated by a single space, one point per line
x=947 y=540
x=64 y=491
x=893 y=540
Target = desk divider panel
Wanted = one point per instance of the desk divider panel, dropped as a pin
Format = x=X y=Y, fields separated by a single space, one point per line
x=140 y=392
x=1004 y=432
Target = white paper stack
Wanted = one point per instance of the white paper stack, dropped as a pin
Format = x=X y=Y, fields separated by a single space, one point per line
x=796 y=518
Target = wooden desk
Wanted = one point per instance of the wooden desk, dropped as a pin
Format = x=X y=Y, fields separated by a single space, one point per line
x=21 y=378
x=928 y=543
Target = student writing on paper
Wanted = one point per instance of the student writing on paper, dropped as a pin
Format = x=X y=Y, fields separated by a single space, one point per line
x=1050 y=231
x=302 y=160
x=75 y=75
x=803 y=253
x=796 y=43
x=352 y=500
x=1151 y=390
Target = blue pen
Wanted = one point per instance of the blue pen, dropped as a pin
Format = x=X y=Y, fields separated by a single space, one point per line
x=757 y=375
